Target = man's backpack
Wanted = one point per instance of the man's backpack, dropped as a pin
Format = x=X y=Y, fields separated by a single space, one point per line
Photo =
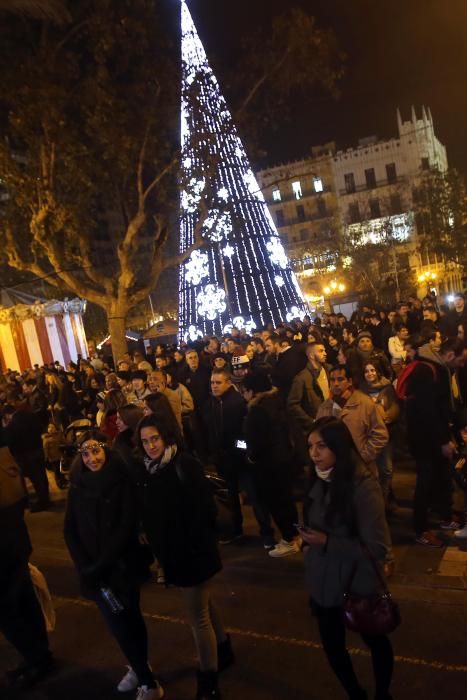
x=401 y=388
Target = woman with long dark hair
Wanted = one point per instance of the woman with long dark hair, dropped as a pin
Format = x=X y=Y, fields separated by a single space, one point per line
x=101 y=535
x=345 y=525
x=178 y=516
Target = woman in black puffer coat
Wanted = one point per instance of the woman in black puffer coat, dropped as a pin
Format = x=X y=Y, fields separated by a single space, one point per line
x=178 y=516
x=101 y=535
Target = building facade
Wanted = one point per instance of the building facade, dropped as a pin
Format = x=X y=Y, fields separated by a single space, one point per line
x=365 y=193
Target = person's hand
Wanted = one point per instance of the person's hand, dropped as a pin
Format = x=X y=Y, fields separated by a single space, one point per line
x=314 y=538
x=142 y=538
x=448 y=450
x=460 y=463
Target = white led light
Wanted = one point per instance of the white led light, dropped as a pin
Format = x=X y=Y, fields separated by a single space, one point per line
x=211 y=302
x=279 y=281
x=228 y=251
x=277 y=253
x=197 y=267
x=293 y=313
x=246 y=266
x=192 y=334
x=192 y=195
x=218 y=225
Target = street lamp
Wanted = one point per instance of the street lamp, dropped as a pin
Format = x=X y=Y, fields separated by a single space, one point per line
x=427 y=277
x=333 y=288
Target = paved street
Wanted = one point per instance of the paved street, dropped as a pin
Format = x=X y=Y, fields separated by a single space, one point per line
x=265 y=609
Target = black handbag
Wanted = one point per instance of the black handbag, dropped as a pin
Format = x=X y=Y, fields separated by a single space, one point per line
x=373 y=614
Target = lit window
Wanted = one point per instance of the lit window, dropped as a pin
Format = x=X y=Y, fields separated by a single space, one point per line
x=297 y=189
x=318 y=184
x=276 y=195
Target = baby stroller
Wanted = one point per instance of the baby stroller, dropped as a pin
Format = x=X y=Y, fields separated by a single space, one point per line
x=72 y=433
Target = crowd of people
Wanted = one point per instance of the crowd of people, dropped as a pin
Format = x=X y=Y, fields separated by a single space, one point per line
x=316 y=401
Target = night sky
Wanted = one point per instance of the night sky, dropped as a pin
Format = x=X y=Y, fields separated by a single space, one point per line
x=399 y=53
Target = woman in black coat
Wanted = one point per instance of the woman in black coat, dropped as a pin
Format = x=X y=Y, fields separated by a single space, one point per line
x=101 y=535
x=178 y=516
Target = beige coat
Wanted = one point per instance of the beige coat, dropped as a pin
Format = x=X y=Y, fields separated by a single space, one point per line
x=365 y=422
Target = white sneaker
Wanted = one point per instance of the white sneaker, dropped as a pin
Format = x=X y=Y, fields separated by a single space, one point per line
x=129 y=681
x=284 y=548
x=145 y=693
x=461 y=534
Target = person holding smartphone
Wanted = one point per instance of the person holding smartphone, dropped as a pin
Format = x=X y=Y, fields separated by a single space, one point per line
x=344 y=516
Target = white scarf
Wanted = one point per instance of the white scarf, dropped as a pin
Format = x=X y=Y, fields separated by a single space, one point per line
x=324 y=474
x=153 y=466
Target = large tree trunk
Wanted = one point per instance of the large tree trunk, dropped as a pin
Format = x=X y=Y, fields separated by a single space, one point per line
x=117 y=328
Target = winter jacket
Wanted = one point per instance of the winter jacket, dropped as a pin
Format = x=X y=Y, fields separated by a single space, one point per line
x=384 y=396
x=223 y=421
x=266 y=432
x=305 y=397
x=101 y=527
x=328 y=568
x=178 y=515
x=366 y=424
x=289 y=363
x=429 y=403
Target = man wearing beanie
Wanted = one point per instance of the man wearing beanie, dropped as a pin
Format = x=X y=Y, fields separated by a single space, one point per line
x=366 y=352
x=241 y=368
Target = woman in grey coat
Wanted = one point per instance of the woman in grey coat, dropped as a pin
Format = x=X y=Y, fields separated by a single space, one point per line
x=343 y=514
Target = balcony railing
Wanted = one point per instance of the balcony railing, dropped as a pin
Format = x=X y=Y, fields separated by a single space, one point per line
x=378 y=183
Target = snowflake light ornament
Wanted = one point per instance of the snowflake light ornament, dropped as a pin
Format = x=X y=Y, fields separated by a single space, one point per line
x=223 y=194
x=192 y=195
x=279 y=281
x=218 y=225
x=196 y=268
x=228 y=251
x=211 y=302
x=294 y=312
x=239 y=322
x=192 y=334
x=277 y=253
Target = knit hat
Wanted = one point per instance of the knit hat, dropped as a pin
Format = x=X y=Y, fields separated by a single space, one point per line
x=122 y=374
x=364 y=334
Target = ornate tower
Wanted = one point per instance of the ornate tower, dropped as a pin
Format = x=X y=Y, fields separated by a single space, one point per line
x=241 y=276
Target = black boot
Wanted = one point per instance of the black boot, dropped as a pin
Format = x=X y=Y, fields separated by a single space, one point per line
x=225 y=654
x=207 y=686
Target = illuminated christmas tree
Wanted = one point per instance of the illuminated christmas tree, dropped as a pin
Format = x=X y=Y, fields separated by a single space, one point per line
x=241 y=276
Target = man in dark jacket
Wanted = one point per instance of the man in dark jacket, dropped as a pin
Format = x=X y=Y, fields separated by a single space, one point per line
x=429 y=412
x=269 y=455
x=290 y=360
x=37 y=401
x=23 y=435
x=21 y=618
x=223 y=416
x=196 y=379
